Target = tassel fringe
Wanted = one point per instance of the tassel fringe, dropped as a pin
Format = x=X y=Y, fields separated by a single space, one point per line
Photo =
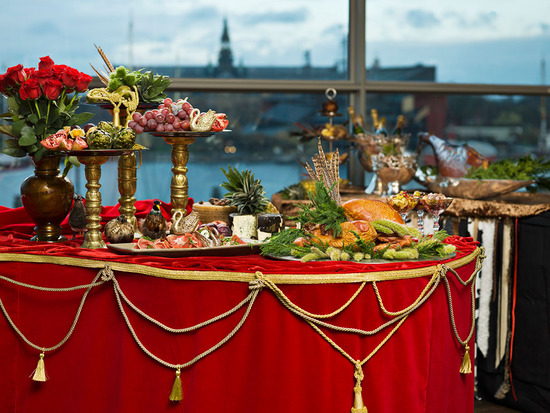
x=177 y=393
x=466 y=366
x=358 y=405
x=40 y=371
x=502 y=391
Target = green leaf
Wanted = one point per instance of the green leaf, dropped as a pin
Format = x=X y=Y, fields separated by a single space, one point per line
x=33 y=118
x=39 y=153
x=28 y=137
x=16 y=127
x=81 y=118
x=7 y=130
x=13 y=104
x=11 y=143
x=40 y=127
x=15 y=152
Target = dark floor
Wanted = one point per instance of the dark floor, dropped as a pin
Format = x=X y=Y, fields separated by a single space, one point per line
x=482 y=406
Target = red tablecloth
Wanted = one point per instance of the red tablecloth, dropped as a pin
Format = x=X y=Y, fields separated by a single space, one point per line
x=274 y=363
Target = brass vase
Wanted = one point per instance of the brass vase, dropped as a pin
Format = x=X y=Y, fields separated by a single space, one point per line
x=47 y=198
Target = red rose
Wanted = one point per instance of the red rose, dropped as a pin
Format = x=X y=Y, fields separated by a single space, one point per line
x=16 y=74
x=70 y=77
x=41 y=75
x=46 y=63
x=28 y=72
x=52 y=88
x=3 y=84
x=59 y=70
x=30 y=89
x=83 y=82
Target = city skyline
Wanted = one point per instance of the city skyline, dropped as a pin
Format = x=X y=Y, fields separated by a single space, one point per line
x=467 y=44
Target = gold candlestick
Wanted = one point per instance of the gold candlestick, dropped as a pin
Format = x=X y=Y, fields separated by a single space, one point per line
x=179 y=185
x=92 y=170
x=127 y=183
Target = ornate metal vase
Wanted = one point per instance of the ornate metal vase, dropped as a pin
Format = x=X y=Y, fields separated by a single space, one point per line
x=47 y=198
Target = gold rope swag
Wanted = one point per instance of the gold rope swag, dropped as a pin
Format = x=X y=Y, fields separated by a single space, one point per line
x=256 y=283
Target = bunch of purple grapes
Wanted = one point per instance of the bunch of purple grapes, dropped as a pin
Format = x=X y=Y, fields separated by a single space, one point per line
x=168 y=117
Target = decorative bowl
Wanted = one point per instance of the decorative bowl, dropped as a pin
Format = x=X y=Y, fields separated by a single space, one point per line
x=474 y=188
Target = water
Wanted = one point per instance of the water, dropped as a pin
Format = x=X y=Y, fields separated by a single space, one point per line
x=154 y=178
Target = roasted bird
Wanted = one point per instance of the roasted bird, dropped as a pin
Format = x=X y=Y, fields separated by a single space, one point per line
x=77 y=216
x=452 y=160
x=119 y=230
x=154 y=225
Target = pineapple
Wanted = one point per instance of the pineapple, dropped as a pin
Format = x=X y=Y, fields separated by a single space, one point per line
x=245 y=192
x=124 y=139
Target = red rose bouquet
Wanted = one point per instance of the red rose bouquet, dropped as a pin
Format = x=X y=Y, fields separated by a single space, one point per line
x=41 y=102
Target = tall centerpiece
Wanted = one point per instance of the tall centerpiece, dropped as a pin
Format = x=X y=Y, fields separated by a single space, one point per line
x=42 y=101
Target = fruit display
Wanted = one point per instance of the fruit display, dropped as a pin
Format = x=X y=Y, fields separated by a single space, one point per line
x=356 y=230
x=66 y=139
x=245 y=191
x=148 y=87
x=402 y=203
x=177 y=116
x=103 y=136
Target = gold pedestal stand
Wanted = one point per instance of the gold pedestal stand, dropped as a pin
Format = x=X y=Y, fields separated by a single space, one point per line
x=179 y=185
x=127 y=184
x=92 y=170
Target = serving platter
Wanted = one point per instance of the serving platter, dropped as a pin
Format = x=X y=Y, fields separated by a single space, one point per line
x=376 y=261
x=98 y=152
x=253 y=247
x=185 y=134
x=474 y=188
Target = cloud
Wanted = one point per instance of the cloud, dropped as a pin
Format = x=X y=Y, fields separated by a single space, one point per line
x=287 y=17
x=422 y=19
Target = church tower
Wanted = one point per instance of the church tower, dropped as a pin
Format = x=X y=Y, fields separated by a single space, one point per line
x=225 y=58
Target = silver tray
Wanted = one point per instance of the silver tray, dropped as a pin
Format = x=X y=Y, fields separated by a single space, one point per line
x=373 y=261
x=185 y=134
x=224 y=251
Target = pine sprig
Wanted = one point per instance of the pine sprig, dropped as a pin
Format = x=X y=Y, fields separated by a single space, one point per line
x=323 y=210
x=281 y=244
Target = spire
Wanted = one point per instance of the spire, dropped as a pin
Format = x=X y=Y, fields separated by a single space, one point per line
x=225 y=58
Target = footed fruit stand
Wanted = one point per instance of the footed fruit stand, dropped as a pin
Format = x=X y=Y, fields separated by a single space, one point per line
x=92 y=330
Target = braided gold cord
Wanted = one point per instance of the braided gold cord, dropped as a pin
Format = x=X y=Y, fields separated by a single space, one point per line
x=237 y=276
x=105 y=274
x=280 y=294
x=179 y=330
x=435 y=279
x=255 y=287
x=256 y=282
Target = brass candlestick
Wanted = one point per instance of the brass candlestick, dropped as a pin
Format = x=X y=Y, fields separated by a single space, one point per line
x=92 y=170
x=179 y=185
x=127 y=183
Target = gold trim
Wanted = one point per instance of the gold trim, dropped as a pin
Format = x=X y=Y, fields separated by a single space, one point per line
x=237 y=276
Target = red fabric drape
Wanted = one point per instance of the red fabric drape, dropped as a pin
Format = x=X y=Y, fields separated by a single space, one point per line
x=275 y=363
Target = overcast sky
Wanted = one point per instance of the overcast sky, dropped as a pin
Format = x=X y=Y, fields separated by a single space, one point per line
x=487 y=41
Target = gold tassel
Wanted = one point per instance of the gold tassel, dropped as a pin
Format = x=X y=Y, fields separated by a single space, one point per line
x=466 y=366
x=40 y=371
x=177 y=393
x=358 y=405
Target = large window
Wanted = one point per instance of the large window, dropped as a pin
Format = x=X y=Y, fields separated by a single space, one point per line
x=472 y=72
